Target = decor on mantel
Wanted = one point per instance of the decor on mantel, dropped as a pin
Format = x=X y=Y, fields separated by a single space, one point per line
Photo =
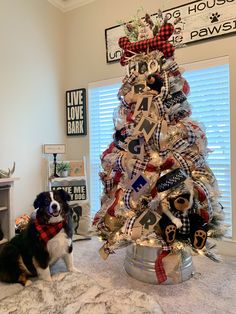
x=160 y=197
x=8 y=173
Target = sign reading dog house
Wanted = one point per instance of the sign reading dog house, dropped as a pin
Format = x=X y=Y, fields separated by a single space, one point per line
x=199 y=20
x=76 y=112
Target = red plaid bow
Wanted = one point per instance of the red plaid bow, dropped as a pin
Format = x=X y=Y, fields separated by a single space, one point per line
x=48 y=231
x=159 y=42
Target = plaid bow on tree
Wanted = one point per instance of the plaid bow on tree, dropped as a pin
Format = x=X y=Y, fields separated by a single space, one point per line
x=159 y=42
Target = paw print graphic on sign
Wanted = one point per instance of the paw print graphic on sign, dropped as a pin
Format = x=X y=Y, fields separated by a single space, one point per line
x=214 y=17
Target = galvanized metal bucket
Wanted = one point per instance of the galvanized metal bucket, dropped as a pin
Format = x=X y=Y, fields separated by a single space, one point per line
x=140 y=264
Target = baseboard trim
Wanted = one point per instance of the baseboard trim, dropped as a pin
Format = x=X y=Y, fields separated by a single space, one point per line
x=226 y=247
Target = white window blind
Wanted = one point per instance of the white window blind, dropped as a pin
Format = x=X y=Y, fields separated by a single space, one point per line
x=209 y=98
x=102 y=102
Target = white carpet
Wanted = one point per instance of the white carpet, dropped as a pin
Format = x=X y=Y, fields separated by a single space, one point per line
x=211 y=291
x=77 y=293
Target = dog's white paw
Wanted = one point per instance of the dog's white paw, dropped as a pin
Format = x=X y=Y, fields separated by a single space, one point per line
x=73 y=270
x=28 y=283
x=58 y=276
x=44 y=278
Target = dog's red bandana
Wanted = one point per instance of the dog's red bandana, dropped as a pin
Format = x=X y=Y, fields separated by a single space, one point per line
x=48 y=231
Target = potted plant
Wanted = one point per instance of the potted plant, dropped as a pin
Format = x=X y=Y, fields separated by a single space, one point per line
x=63 y=168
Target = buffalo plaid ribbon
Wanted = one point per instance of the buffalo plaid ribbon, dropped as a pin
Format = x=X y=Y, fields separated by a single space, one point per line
x=191 y=134
x=180 y=145
x=159 y=42
x=108 y=185
x=119 y=166
x=124 y=104
x=48 y=231
x=159 y=107
x=127 y=197
x=157 y=135
x=139 y=166
x=129 y=225
x=159 y=268
x=185 y=228
x=182 y=162
x=202 y=185
x=198 y=173
x=181 y=150
x=196 y=159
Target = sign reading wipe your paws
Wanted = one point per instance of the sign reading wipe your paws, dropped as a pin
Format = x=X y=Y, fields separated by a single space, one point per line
x=76 y=112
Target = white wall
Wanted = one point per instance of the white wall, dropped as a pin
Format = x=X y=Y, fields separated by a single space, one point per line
x=86 y=57
x=31 y=97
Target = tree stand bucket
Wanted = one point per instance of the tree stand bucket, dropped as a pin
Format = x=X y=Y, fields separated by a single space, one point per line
x=141 y=264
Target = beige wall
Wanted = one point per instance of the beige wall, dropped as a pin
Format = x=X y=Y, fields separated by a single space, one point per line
x=86 y=59
x=31 y=80
x=38 y=63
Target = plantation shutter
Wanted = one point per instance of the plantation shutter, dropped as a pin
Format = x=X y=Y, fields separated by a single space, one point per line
x=102 y=102
x=209 y=97
x=210 y=100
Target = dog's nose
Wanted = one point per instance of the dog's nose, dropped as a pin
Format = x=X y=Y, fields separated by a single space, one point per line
x=54 y=206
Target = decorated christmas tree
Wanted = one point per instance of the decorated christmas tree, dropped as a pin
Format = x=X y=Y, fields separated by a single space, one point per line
x=158 y=189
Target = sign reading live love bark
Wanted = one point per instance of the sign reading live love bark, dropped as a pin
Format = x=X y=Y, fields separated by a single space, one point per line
x=199 y=20
x=76 y=112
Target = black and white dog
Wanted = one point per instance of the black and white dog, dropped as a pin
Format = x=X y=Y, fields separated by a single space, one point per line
x=47 y=238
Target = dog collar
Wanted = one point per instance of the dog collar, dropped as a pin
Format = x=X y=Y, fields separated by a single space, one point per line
x=48 y=231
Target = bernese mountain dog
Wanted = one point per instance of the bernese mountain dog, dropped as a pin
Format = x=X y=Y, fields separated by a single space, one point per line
x=47 y=237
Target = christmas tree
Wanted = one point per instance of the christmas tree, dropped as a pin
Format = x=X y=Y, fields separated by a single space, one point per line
x=158 y=187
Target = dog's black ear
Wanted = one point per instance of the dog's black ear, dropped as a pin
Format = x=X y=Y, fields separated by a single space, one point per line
x=38 y=201
x=64 y=195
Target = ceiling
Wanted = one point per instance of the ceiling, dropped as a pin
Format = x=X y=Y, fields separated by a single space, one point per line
x=68 y=5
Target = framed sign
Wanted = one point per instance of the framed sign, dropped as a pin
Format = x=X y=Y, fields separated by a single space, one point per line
x=200 y=20
x=76 y=112
x=77 y=189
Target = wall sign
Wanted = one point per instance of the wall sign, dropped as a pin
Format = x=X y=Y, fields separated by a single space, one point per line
x=76 y=112
x=77 y=193
x=199 y=20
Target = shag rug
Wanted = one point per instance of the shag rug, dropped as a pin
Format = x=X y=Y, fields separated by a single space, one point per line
x=104 y=287
x=70 y=293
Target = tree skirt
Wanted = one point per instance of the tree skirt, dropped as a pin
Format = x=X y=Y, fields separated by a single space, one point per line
x=71 y=293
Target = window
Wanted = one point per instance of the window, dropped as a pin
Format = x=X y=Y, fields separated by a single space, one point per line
x=210 y=100
x=209 y=97
x=102 y=102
